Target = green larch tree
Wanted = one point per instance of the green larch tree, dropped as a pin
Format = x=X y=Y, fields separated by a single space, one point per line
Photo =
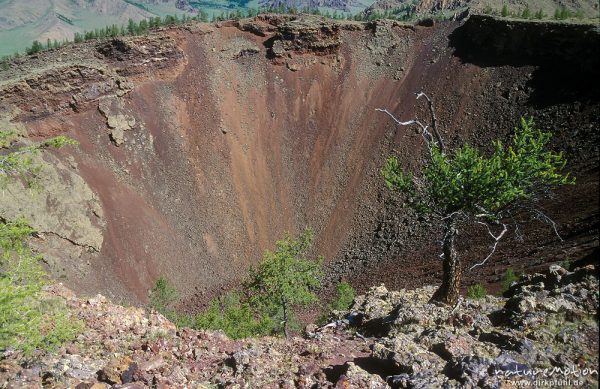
x=463 y=186
x=286 y=279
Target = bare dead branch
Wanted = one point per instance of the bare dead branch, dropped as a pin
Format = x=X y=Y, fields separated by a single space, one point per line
x=360 y=336
x=424 y=131
x=427 y=135
x=433 y=120
x=408 y=123
x=453 y=214
x=541 y=215
x=509 y=213
x=496 y=238
x=518 y=234
x=485 y=213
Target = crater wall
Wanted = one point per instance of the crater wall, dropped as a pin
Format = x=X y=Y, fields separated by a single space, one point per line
x=204 y=144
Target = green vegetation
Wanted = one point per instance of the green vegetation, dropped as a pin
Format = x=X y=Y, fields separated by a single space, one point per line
x=29 y=319
x=36 y=47
x=344 y=297
x=341 y=302
x=539 y=14
x=463 y=186
x=407 y=12
x=162 y=296
x=507 y=279
x=230 y=313
x=476 y=291
x=284 y=280
x=234 y=316
x=567 y=264
x=109 y=32
x=20 y=163
x=561 y=13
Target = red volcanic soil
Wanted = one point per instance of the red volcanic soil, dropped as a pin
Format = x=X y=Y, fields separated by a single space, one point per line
x=245 y=130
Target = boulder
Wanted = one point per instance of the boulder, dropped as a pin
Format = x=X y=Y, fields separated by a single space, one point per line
x=112 y=372
x=406 y=355
x=360 y=378
x=454 y=347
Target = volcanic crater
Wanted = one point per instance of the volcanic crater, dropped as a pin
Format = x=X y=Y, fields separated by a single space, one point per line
x=201 y=145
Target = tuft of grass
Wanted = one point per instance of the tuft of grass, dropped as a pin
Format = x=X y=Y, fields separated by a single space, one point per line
x=507 y=279
x=162 y=295
x=344 y=297
x=155 y=335
x=476 y=291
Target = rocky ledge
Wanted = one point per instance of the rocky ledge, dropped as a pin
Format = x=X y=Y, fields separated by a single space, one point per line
x=544 y=325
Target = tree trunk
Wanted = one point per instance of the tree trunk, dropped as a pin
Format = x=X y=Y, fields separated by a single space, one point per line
x=285 y=318
x=448 y=292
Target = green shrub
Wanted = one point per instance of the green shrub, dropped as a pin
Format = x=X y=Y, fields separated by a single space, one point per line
x=283 y=281
x=556 y=14
x=540 y=14
x=234 y=317
x=508 y=278
x=230 y=313
x=162 y=296
x=563 y=13
x=21 y=162
x=29 y=319
x=344 y=297
x=59 y=326
x=476 y=291
x=286 y=279
x=36 y=47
